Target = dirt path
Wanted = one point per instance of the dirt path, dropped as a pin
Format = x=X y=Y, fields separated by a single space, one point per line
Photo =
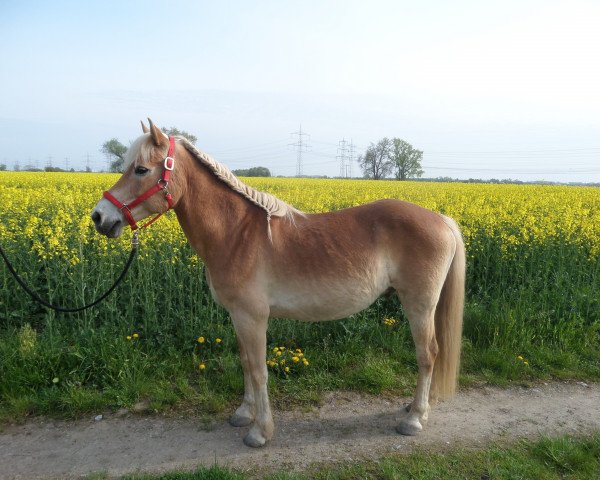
x=346 y=427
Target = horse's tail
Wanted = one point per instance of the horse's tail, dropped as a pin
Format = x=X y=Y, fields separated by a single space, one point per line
x=448 y=322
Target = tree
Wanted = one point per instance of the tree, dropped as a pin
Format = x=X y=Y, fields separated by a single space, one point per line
x=375 y=162
x=115 y=151
x=406 y=159
x=2 y=167
x=175 y=131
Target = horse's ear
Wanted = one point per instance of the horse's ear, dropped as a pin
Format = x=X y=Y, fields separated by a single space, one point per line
x=145 y=129
x=158 y=137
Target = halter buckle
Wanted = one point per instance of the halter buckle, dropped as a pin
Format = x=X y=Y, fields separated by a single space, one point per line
x=169 y=163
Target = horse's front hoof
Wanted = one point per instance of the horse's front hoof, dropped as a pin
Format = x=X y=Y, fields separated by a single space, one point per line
x=409 y=426
x=254 y=440
x=237 y=420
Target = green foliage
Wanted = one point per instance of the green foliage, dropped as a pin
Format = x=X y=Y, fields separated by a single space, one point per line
x=202 y=473
x=406 y=159
x=115 y=151
x=253 y=172
x=174 y=131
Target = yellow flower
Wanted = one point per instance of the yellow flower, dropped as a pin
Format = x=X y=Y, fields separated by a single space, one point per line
x=526 y=363
x=286 y=369
x=520 y=358
x=305 y=361
x=218 y=340
x=135 y=335
x=296 y=359
x=276 y=349
x=201 y=339
x=128 y=337
x=278 y=353
x=201 y=366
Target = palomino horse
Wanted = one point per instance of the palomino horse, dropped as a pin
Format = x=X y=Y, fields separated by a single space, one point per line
x=264 y=259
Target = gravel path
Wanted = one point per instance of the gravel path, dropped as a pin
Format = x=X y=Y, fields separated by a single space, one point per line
x=347 y=426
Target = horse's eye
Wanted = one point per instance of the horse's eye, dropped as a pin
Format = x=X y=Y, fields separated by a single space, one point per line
x=141 y=170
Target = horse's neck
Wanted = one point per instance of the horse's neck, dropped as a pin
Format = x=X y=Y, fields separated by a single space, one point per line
x=209 y=212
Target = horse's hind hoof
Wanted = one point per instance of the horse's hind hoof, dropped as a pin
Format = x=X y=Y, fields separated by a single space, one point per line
x=237 y=420
x=254 y=440
x=409 y=427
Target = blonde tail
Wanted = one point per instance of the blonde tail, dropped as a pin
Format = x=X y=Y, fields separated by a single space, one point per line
x=448 y=323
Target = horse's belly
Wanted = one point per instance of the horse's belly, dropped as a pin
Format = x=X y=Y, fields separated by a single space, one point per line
x=325 y=300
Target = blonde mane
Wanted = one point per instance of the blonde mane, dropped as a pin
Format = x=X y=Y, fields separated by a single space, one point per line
x=273 y=206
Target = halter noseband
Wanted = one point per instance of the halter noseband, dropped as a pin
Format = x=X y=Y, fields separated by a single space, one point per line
x=162 y=184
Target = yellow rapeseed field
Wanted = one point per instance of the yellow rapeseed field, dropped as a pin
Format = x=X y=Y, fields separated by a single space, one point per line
x=47 y=214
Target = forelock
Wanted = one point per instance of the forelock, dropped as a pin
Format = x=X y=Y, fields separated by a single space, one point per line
x=140 y=148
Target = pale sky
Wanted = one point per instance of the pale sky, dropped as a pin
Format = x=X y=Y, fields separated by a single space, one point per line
x=506 y=89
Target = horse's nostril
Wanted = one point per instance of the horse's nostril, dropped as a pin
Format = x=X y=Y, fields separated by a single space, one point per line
x=96 y=217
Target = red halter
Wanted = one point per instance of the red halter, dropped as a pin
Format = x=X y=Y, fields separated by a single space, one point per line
x=162 y=184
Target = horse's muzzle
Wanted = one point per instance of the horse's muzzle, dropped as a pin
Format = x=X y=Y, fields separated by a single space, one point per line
x=110 y=227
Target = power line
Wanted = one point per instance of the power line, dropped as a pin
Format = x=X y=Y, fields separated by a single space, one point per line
x=350 y=159
x=301 y=146
x=342 y=156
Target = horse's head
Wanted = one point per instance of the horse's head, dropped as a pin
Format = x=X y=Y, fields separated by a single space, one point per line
x=142 y=189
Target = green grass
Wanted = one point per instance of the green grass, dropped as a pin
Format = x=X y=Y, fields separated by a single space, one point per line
x=547 y=459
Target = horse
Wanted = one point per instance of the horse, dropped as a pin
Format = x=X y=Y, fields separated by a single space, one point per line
x=264 y=258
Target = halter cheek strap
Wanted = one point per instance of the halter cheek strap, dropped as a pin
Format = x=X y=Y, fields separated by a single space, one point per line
x=162 y=184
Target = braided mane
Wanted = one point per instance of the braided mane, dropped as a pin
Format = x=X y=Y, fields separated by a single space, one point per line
x=273 y=206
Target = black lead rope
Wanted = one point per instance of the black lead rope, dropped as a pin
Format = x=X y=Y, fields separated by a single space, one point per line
x=40 y=300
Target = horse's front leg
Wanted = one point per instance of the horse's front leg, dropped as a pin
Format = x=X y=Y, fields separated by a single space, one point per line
x=246 y=412
x=251 y=331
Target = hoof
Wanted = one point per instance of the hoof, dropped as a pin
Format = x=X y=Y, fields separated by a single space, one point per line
x=254 y=440
x=409 y=427
x=237 y=420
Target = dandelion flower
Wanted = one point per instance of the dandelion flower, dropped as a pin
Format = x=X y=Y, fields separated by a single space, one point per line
x=201 y=340
x=218 y=340
x=276 y=349
x=296 y=359
x=526 y=363
x=520 y=358
x=278 y=353
x=135 y=335
x=129 y=337
x=201 y=366
x=287 y=369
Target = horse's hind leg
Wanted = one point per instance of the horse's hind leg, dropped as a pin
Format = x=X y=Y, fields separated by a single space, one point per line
x=251 y=331
x=422 y=326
